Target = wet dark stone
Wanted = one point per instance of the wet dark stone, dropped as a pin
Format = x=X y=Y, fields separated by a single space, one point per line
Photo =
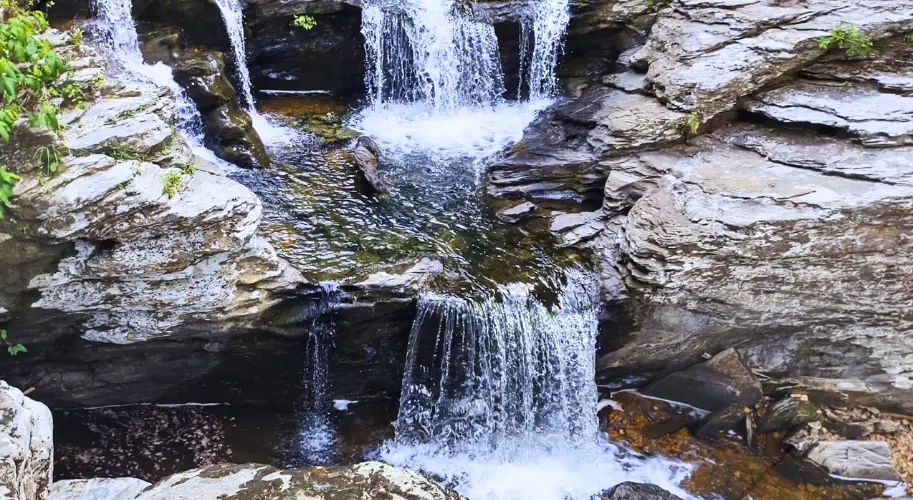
x=329 y=57
x=787 y=414
x=722 y=420
x=721 y=381
x=637 y=491
x=367 y=154
x=231 y=136
x=202 y=75
x=665 y=427
x=161 y=45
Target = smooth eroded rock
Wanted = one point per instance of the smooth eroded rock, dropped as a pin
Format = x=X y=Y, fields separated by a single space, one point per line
x=855 y=459
x=26 y=450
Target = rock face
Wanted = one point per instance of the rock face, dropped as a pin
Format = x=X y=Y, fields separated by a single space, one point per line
x=855 y=459
x=133 y=237
x=638 y=491
x=365 y=481
x=26 y=451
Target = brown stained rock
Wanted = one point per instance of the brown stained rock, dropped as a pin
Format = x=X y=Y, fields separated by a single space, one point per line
x=723 y=467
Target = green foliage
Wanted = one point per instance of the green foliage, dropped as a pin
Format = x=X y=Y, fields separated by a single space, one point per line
x=14 y=8
x=186 y=167
x=72 y=92
x=908 y=37
x=11 y=348
x=28 y=67
x=76 y=38
x=172 y=183
x=655 y=5
x=48 y=158
x=849 y=38
x=97 y=81
x=8 y=181
x=305 y=22
x=689 y=125
x=121 y=154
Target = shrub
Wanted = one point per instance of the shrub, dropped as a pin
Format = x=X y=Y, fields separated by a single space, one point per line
x=76 y=37
x=172 y=183
x=849 y=38
x=11 y=348
x=305 y=22
x=28 y=67
x=8 y=181
x=689 y=125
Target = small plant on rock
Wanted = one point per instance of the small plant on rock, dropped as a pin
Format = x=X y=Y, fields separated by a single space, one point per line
x=11 y=348
x=76 y=37
x=172 y=183
x=121 y=154
x=8 y=181
x=689 y=125
x=72 y=92
x=849 y=38
x=655 y=5
x=304 y=22
x=48 y=158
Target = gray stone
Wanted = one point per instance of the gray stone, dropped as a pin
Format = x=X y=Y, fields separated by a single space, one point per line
x=411 y=279
x=364 y=481
x=26 y=450
x=121 y=488
x=107 y=245
x=705 y=56
x=722 y=420
x=517 y=212
x=725 y=242
x=876 y=118
x=855 y=459
x=575 y=229
x=638 y=491
x=367 y=154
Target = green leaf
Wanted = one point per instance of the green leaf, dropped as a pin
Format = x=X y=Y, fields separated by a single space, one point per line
x=3 y=334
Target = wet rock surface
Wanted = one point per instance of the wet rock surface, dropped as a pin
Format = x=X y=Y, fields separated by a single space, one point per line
x=122 y=488
x=637 y=491
x=711 y=386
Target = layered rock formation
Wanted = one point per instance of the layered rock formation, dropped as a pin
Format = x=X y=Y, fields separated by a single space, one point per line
x=784 y=234
x=133 y=237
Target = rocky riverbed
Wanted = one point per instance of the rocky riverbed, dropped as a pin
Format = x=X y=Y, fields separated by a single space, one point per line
x=740 y=186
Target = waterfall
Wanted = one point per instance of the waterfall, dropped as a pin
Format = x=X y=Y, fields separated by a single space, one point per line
x=118 y=39
x=423 y=50
x=505 y=368
x=435 y=81
x=233 y=17
x=499 y=399
x=545 y=21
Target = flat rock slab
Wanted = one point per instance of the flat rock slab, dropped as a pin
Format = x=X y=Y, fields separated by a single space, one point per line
x=873 y=117
x=855 y=459
x=121 y=488
x=364 y=481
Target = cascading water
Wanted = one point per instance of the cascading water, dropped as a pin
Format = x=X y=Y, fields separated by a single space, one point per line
x=435 y=81
x=499 y=399
x=233 y=16
x=117 y=33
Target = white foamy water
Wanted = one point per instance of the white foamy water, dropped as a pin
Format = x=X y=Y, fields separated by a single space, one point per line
x=539 y=470
x=476 y=131
x=499 y=399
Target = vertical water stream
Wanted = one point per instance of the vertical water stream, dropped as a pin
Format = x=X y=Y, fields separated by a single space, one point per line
x=118 y=39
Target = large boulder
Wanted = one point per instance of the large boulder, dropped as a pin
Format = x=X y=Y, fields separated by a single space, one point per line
x=855 y=459
x=26 y=450
x=364 y=481
x=721 y=381
x=228 y=129
x=133 y=236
